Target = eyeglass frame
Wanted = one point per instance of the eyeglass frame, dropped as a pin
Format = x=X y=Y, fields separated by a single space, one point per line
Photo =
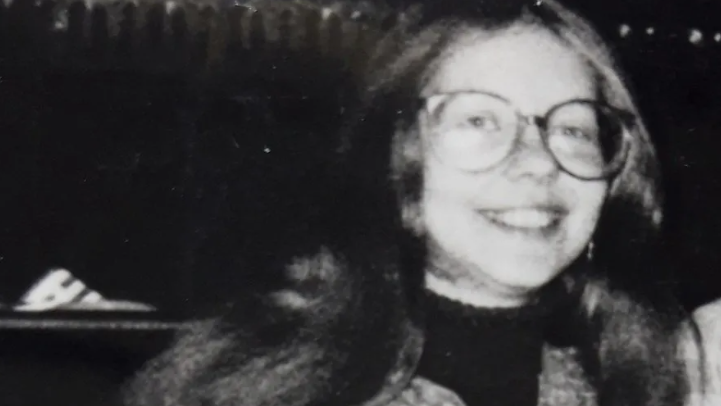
x=627 y=119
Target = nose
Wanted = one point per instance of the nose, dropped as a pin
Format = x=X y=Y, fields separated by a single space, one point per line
x=531 y=157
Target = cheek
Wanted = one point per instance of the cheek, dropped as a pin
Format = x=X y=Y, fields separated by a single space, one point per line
x=445 y=195
x=448 y=203
x=589 y=199
x=443 y=182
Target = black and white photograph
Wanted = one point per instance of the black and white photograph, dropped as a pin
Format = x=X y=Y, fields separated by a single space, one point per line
x=360 y=202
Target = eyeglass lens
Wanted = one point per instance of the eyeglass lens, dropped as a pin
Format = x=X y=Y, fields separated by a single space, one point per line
x=475 y=131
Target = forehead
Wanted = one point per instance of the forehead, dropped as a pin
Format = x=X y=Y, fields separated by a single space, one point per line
x=529 y=66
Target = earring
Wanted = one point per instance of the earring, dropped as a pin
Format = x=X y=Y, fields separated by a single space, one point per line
x=589 y=251
x=412 y=218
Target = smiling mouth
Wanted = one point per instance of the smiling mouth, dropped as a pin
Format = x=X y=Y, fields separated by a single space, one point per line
x=525 y=219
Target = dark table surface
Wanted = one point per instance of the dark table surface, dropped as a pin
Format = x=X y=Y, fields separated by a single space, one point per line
x=75 y=358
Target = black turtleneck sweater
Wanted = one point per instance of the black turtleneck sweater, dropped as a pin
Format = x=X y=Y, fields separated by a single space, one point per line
x=488 y=357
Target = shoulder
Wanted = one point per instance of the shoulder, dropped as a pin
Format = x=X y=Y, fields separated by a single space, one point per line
x=704 y=365
x=708 y=318
x=563 y=382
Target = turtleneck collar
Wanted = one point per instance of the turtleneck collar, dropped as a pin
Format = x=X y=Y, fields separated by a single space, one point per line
x=487 y=355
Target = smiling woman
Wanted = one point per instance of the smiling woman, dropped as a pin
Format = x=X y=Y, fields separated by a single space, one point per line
x=511 y=206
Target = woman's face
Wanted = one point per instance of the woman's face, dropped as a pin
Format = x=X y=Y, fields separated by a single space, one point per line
x=511 y=229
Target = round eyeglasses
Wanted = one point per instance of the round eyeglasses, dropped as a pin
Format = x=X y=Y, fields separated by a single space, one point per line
x=475 y=131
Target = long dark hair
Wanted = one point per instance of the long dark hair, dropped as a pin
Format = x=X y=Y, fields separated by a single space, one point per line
x=619 y=310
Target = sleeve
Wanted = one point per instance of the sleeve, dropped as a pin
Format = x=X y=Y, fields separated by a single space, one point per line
x=704 y=366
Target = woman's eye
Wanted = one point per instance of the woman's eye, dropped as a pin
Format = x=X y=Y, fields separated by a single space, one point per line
x=573 y=132
x=484 y=122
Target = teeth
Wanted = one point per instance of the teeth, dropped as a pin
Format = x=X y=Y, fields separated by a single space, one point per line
x=523 y=218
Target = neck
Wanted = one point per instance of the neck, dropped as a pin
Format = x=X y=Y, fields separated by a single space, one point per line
x=469 y=295
x=451 y=277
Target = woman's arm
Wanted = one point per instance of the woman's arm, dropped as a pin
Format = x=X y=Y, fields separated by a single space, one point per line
x=705 y=367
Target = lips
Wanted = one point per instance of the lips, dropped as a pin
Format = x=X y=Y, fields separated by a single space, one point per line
x=525 y=219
